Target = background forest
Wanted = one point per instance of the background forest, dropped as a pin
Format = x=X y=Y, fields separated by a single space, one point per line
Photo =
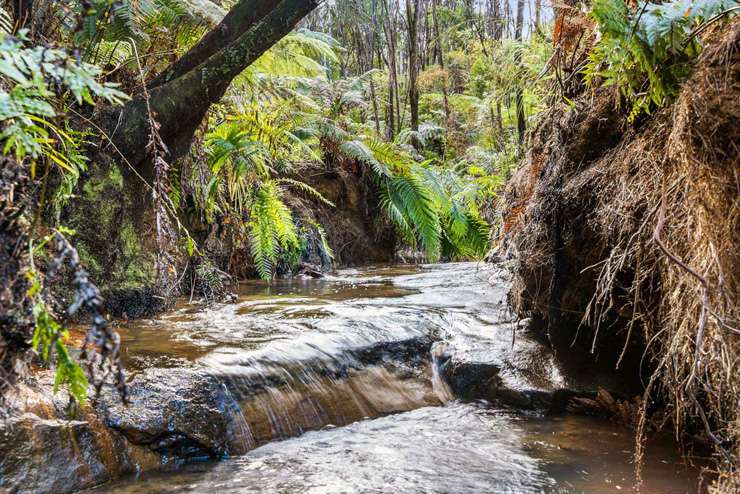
x=148 y=155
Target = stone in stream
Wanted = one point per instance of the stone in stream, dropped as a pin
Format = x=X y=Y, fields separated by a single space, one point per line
x=518 y=371
x=180 y=414
x=184 y=414
x=45 y=449
x=471 y=379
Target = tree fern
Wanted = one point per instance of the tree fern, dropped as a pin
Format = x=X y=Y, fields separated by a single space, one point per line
x=6 y=22
x=302 y=55
x=427 y=131
x=407 y=195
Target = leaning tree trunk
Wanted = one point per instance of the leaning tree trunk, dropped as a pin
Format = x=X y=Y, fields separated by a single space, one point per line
x=238 y=20
x=181 y=103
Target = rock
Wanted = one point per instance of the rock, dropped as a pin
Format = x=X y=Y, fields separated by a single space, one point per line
x=467 y=379
x=520 y=372
x=174 y=415
x=306 y=270
x=180 y=414
x=42 y=455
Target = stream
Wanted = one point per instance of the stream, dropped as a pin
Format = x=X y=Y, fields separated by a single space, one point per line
x=330 y=386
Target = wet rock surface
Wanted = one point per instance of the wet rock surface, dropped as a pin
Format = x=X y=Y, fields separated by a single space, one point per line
x=180 y=415
x=38 y=455
x=46 y=447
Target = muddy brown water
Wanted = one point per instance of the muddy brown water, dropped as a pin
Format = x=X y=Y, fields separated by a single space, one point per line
x=378 y=428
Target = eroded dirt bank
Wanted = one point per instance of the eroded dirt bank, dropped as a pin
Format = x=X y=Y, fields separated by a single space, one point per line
x=624 y=242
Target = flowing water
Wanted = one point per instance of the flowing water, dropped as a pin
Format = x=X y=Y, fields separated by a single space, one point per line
x=338 y=389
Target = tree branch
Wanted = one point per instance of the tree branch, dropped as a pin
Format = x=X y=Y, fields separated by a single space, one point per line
x=238 y=20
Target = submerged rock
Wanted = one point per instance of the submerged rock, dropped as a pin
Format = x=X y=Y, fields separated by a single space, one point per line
x=520 y=372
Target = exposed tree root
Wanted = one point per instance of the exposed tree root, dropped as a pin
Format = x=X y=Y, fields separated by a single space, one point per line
x=638 y=231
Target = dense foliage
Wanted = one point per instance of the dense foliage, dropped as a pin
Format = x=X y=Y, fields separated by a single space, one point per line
x=647 y=52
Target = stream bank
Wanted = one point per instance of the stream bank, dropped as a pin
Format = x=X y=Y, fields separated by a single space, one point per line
x=624 y=241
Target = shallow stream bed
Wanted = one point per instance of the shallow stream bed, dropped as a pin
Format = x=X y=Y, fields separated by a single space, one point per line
x=335 y=395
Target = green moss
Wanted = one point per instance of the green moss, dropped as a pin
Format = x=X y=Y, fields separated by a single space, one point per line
x=137 y=267
x=89 y=261
x=96 y=185
x=110 y=247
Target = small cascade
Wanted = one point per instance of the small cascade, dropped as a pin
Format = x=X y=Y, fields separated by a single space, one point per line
x=241 y=434
x=281 y=402
x=438 y=360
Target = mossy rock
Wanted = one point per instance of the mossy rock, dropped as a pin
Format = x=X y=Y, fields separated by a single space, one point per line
x=112 y=215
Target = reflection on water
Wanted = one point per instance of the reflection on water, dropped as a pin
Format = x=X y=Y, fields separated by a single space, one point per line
x=455 y=448
x=595 y=457
x=337 y=314
x=290 y=355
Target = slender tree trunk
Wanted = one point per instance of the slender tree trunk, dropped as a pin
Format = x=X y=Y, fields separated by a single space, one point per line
x=521 y=123
x=496 y=7
x=506 y=21
x=537 y=13
x=478 y=31
x=393 y=91
x=412 y=20
x=440 y=59
x=373 y=13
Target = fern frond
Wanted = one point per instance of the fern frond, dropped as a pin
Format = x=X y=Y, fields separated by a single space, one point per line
x=412 y=199
x=304 y=187
x=271 y=229
x=6 y=21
